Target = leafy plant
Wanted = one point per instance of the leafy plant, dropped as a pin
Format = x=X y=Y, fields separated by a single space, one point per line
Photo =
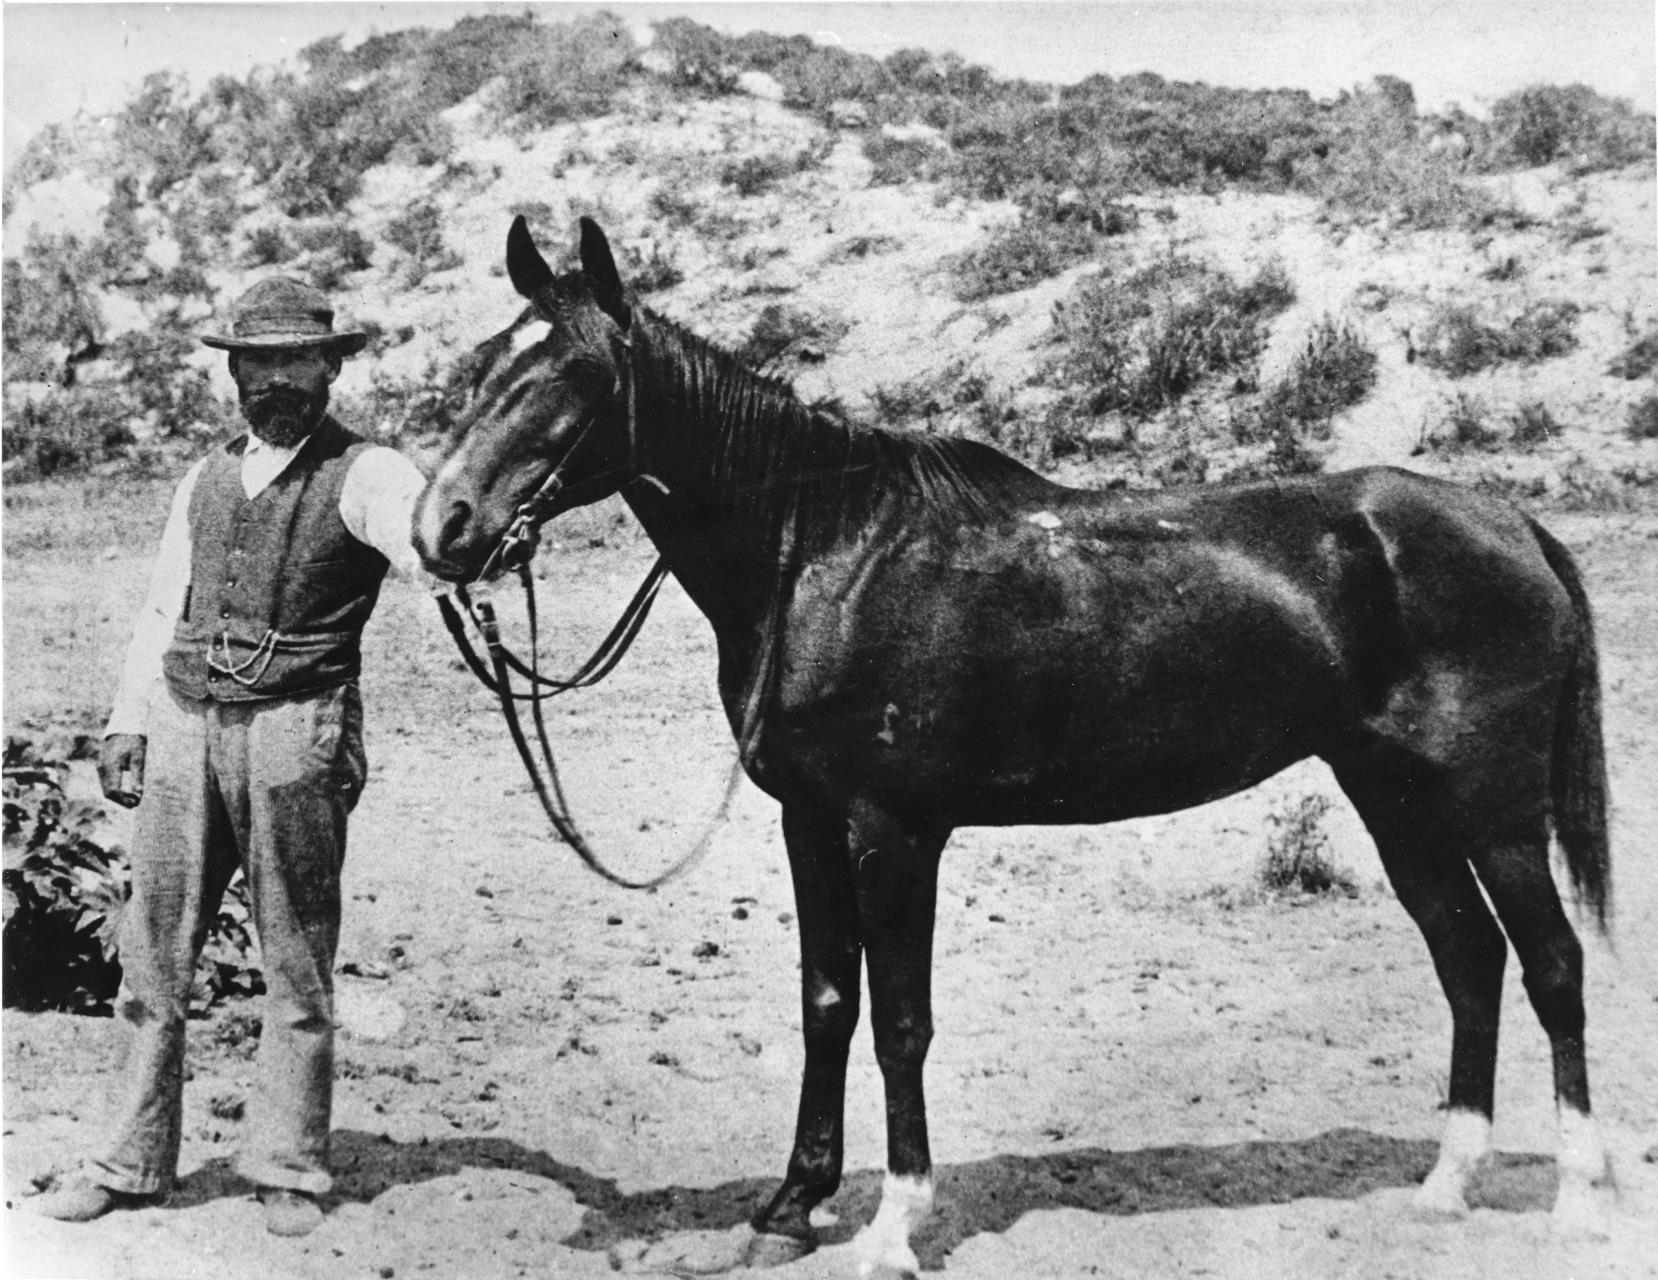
x=1298 y=851
x=64 y=894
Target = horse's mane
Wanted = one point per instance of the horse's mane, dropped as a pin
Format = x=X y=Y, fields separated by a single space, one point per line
x=834 y=470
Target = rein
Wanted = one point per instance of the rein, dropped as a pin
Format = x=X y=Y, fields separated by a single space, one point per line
x=514 y=550
x=498 y=679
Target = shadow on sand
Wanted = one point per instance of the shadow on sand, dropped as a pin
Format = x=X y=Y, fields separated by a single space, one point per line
x=978 y=1196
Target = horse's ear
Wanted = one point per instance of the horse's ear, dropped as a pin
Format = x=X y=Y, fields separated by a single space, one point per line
x=527 y=269
x=600 y=267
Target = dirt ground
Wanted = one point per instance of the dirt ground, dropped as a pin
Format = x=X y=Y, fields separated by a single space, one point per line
x=1141 y=1068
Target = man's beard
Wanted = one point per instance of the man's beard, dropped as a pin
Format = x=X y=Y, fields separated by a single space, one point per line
x=283 y=416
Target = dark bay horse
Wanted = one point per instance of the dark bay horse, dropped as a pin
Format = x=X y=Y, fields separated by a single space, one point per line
x=918 y=633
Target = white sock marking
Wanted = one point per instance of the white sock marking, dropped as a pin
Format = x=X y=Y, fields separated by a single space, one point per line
x=885 y=1242
x=1465 y=1146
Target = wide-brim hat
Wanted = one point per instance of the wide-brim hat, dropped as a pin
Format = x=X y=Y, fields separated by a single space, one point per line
x=281 y=312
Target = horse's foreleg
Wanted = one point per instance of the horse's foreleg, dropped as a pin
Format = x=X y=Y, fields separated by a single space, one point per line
x=895 y=870
x=829 y=955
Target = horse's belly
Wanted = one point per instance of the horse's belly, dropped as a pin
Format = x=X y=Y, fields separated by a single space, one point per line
x=1014 y=756
x=1113 y=790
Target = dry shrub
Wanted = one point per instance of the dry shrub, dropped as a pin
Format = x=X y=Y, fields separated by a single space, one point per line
x=1573 y=123
x=1642 y=422
x=1459 y=340
x=1138 y=344
x=1378 y=165
x=1298 y=851
x=1533 y=424
x=1466 y=426
x=1639 y=358
x=1334 y=371
x=1022 y=255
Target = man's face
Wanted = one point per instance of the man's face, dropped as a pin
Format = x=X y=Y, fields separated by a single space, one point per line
x=284 y=390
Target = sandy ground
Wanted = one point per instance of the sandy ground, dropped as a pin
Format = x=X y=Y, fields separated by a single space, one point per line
x=1140 y=1068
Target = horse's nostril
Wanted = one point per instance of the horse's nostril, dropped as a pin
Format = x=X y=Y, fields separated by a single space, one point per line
x=460 y=514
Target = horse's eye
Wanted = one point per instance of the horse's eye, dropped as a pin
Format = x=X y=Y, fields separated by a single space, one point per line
x=588 y=376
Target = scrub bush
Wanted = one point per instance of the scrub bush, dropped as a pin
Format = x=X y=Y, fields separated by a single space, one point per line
x=1460 y=341
x=1139 y=344
x=1298 y=851
x=64 y=894
x=1334 y=371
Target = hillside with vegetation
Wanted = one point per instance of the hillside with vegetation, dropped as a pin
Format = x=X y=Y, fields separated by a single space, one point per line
x=1125 y=281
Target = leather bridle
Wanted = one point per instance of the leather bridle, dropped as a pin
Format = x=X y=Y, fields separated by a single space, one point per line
x=513 y=552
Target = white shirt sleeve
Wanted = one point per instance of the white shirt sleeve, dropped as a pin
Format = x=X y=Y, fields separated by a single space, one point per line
x=377 y=503
x=153 y=630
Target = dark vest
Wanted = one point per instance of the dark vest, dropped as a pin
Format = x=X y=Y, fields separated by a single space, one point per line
x=279 y=589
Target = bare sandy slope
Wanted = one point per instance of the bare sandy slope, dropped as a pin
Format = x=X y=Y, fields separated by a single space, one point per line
x=1140 y=1070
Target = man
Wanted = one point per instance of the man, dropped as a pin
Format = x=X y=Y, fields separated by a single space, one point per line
x=238 y=733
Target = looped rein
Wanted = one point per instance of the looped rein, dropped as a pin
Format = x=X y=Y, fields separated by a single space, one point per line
x=514 y=550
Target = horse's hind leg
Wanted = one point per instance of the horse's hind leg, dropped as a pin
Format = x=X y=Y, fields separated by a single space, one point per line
x=830 y=950
x=1517 y=880
x=1429 y=871
x=895 y=871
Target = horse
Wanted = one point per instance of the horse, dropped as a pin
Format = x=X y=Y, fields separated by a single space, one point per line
x=917 y=633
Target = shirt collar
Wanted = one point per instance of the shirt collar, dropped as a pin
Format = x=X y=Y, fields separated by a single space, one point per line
x=256 y=446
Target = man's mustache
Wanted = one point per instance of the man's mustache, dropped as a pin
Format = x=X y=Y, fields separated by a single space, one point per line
x=275 y=394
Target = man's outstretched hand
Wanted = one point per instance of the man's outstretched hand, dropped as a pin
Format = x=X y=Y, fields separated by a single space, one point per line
x=121 y=768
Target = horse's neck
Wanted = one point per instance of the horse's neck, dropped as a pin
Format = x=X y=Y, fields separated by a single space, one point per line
x=724 y=448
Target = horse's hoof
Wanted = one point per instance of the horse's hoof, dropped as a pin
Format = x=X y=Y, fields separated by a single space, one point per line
x=769 y=1249
x=1438 y=1202
x=884 y=1259
x=1580 y=1213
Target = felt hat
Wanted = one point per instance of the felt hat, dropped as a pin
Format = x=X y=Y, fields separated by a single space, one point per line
x=281 y=312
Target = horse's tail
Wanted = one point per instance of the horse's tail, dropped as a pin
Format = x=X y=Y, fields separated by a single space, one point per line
x=1578 y=776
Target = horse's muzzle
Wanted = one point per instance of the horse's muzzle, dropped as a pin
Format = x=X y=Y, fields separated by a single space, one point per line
x=446 y=536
